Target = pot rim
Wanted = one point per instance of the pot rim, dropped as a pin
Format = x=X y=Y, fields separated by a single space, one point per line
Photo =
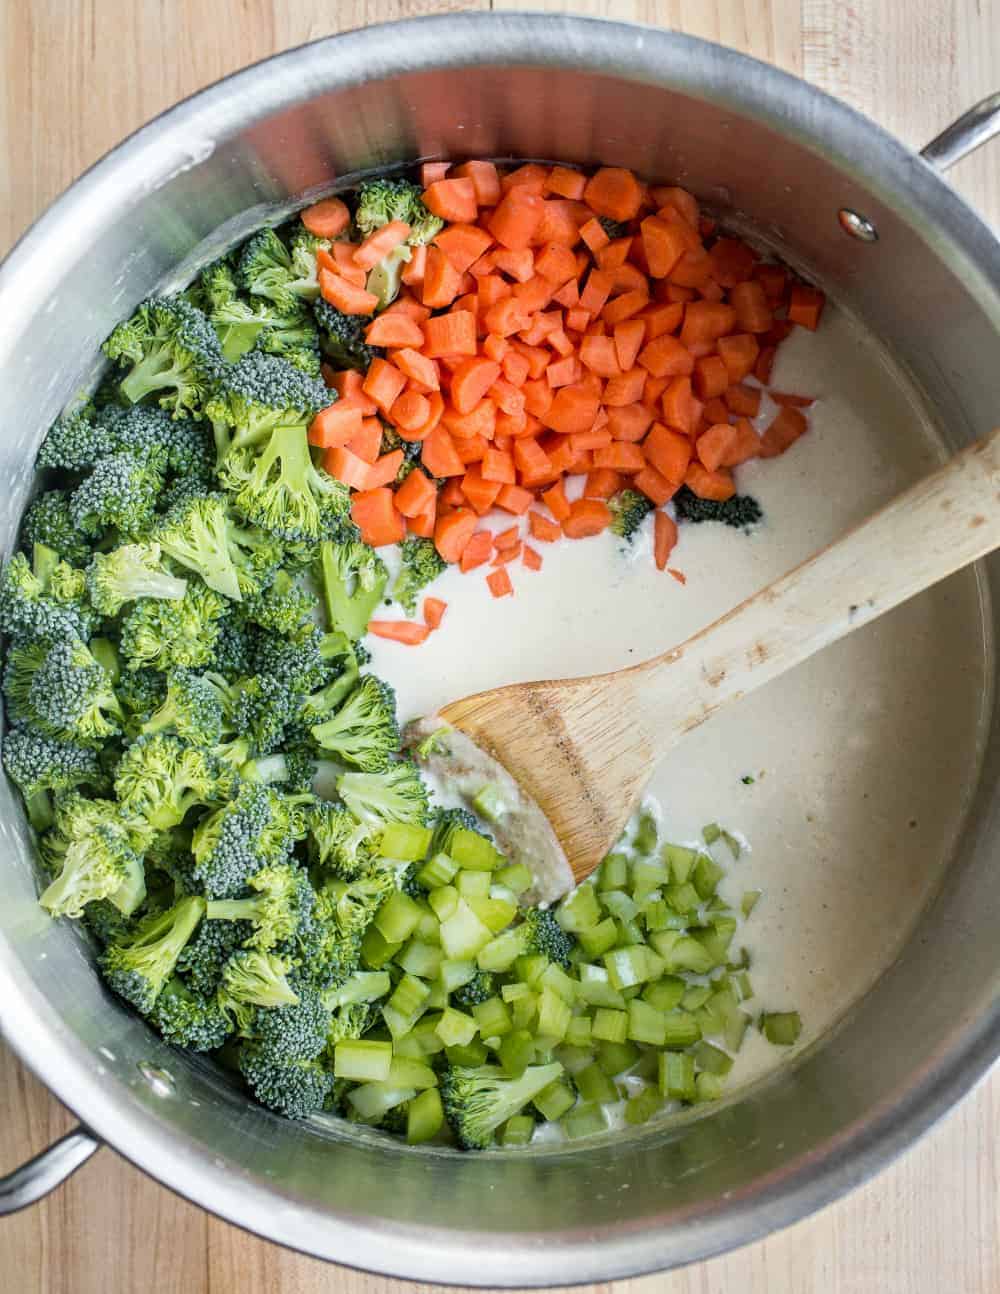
x=147 y=159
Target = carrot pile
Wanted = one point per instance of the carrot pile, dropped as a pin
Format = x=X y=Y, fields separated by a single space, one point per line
x=528 y=346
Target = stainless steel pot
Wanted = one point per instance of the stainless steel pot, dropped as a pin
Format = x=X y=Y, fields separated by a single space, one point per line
x=872 y=221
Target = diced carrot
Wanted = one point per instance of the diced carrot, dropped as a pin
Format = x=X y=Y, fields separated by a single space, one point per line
x=342 y=255
x=704 y=323
x=715 y=445
x=716 y=485
x=516 y=218
x=629 y=422
x=791 y=400
x=450 y=334
x=560 y=223
x=732 y=261
x=480 y=493
x=452 y=495
x=453 y=532
x=785 y=429
x=515 y=499
x=479 y=421
x=348 y=298
x=596 y=291
x=538 y=396
x=415 y=268
x=327 y=218
x=664 y=539
x=776 y=334
x=739 y=354
x=602 y=483
x=594 y=234
x=581 y=441
x=470 y=449
x=438 y=455
x=442 y=282
x=349 y=385
x=746 y=444
x=627 y=389
x=507 y=554
x=743 y=399
x=625 y=306
x=542 y=529
x=613 y=191
x=384 y=470
x=485 y=181
x=499 y=582
x=407 y=304
x=415 y=494
x=614 y=255
x=471 y=381
x=529 y=175
x=421 y=371
x=335 y=425
x=681 y=409
x=568 y=295
x=668 y=451
x=508 y=538
x=410 y=411
x=566 y=183
x=654 y=486
x=463 y=244
x=586 y=517
x=805 y=306
x=692 y=269
x=423 y=525
x=561 y=344
x=345 y=466
x=715 y=410
x=600 y=355
x=506 y=316
x=665 y=356
x=380 y=243
x=577 y=319
x=430 y=172
x=375 y=514
x=531 y=558
x=764 y=363
x=572 y=410
x=684 y=203
x=664 y=317
x=436 y=405
x=394 y=330
x=507 y=397
x=498 y=465
x=477 y=551
x=555 y=262
x=452 y=200
x=434 y=610
x=367 y=443
x=407 y=632
x=711 y=377
x=563 y=372
x=519 y=264
x=753 y=311
x=664 y=242
x=383 y=383
x=515 y=369
x=556 y=501
x=533 y=295
x=620 y=457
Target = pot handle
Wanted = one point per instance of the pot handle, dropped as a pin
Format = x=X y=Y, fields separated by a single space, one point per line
x=977 y=126
x=35 y=1179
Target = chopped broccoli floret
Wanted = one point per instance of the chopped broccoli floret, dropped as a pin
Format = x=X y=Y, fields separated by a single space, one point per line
x=342 y=337
x=445 y=823
x=202 y=534
x=192 y=709
x=214 y=286
x=629 y=509
x=175 y=445
x=40 y=766
x=477 y=990
x=379 y=201
x=161 y=778
x=478 y=1099
x=296 y=1089
x=204 y=959
x=172 y=351
x=354 y=903
x=290 y=1033
x=127 y=573
x=251 y=979
x=543 y=935
x=171 y=635
x=74 y=443
x=268 y=269
x=353 y=577
x=285 y=607
x=233 y=654
x=363 y=732
x=63 y=690
x=49 y=521
x=140 y=691
x=97 y=864
x=396 y=795
x=120 y=493
x=188 y=1019
x=741 y=511
x=348 y=1022
x=138 y=966
x=613 y=228
x=338 y=842
x=255 y=829
x=282 y=900
x=421 y=563
x=33 y=605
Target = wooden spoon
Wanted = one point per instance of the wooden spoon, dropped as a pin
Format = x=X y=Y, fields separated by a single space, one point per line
x=583 y=748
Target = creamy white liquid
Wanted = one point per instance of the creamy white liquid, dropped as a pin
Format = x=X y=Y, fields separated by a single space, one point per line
x=863 y=758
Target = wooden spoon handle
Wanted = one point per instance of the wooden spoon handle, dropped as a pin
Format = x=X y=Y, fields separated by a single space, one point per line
x=944 y=522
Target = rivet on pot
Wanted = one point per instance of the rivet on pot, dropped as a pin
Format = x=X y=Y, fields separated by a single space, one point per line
x=159 y=1080
x=858 y=226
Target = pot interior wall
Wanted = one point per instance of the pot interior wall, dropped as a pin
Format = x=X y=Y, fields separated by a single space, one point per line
x=751 y=144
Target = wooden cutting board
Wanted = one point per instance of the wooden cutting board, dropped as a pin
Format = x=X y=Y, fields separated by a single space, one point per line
x=77 y=75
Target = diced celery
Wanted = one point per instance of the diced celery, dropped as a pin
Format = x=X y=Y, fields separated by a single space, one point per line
x=471 y=884
x=578 y=1032
x=677 y=1081
x=656 y=914
x=714 y=944
x=648 y=874
x=555 y=978
x=493 y=912
x=695 y=996
x=492 y=1017
x=708 y=1087
x=363 y=986
x=621 y=905
x=375 y=950
x=469 y=1053
x=511 y=992
x=531 y=968
x=609 y=1025
x=595 y=940
x=681 y=861
x=408 y=1046
x=629 y=932
x=595 y=986
x=749 y=901
x=372 y=1101
x=409 y=996
x=455 y=1028
x=616 y=1057
x=573 y=1059
x=584 y=1121
x=516 y=1052
x=524 y=1010
x=425 y=1033
x=363 y=1060
x=404 y=1072
x=687 y=954
x=553 y=1101
x=500 y=953
x=579 y=910
x=438 y=998
x=782 y=1028
x=554 y=1015
x=626 y=966
x=456 y=973
x=443 y=901
x=681 y=1029
x=642 y=1106
x=682 y=898
x=463 y=934
x=428 y=928
x=404 y=841
x=646 y=1023
x=712 y=1059
x=437 y=871
x=594 y=1085
x=733 y=845
x=664 y=993
x=474 y=852
x=646 y=836
x=421 y=959
x=424 y=1117
x=518 y=1130
x=735 y=1030
x=516 y=877
x=711 y=833
x=614 y=872
x=707 y=875
x=744 y=985
x=490 y=803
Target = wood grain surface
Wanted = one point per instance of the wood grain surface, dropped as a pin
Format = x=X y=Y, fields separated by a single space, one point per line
x=77 y=75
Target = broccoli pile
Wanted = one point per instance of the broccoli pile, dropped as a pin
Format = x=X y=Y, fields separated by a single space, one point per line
x=741 y=511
